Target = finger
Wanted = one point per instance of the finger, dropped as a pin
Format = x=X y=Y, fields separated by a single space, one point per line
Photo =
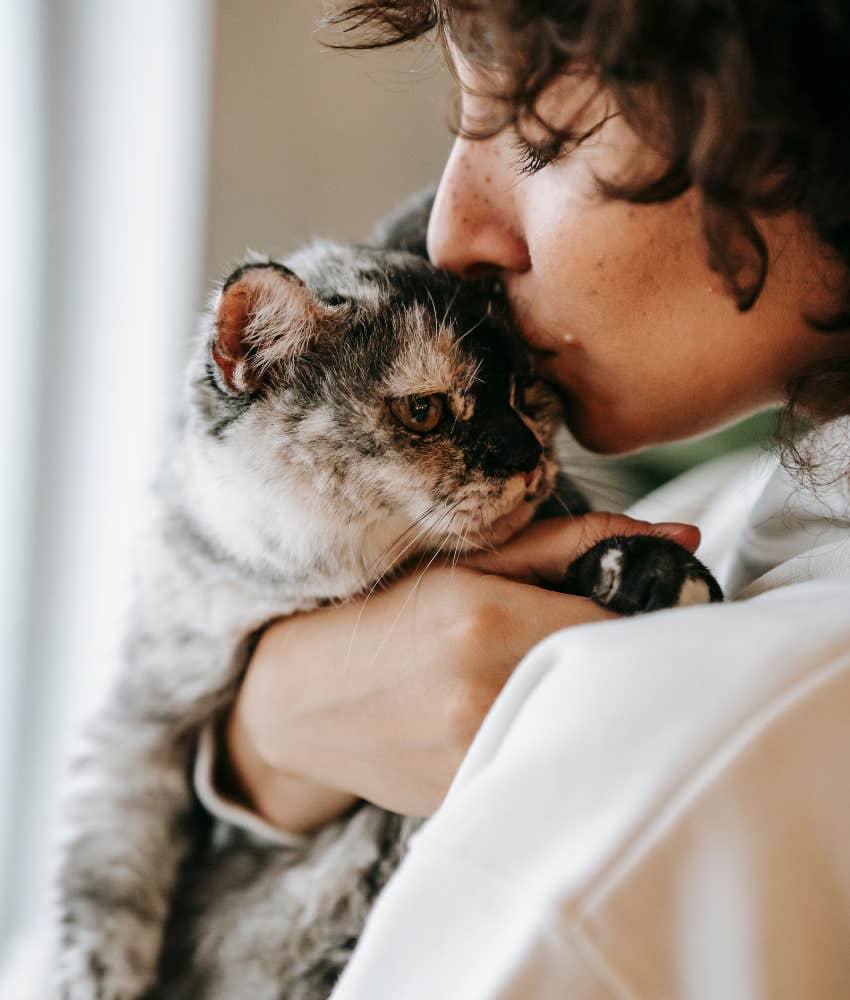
x=544 y=550
x=543 y=612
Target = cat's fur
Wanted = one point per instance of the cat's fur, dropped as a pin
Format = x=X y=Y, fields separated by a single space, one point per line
x=290 y=485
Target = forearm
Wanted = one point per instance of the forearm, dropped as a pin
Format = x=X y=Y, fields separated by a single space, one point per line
x=380 y=699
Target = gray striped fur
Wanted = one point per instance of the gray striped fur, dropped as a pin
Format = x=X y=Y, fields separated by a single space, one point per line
x=271 y=503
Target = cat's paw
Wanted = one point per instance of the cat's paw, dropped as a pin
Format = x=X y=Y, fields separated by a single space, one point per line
x=637 y=573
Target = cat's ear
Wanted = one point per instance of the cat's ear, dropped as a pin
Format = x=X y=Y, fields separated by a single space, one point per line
x=265 y=315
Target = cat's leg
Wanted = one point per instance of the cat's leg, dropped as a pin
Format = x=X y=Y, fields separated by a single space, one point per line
x=127 y=829
x=638 y=573
x=128 y=820
x=277 y=922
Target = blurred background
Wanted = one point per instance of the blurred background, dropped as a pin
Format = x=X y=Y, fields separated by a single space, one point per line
x=146 y=146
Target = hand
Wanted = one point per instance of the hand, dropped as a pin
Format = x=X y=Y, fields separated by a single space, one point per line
x=380 y=699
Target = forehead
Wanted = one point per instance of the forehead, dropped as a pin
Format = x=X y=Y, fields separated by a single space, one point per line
x=413 y=328
x=434 y=356
x=573 y=99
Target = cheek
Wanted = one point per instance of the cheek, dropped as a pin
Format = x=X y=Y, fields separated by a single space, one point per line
x=613 y=266
x=423 y=475
x=646 y=342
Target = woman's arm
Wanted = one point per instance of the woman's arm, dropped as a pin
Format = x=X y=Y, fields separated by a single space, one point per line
x=380 y=699
x=656 y=807
x=283 y=800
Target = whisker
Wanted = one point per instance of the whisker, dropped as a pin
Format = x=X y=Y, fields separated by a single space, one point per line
x=459 y=543
x=397 y=540
x=407 y=599
x=424 y=530
x=559 y=499
x=605 y=489
x=434 y=311
x=449 y=306
x=384 y=573
x=472 y=329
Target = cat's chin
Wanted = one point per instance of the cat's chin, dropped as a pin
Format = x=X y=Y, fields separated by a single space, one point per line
x=504 y=527
x=509 y=524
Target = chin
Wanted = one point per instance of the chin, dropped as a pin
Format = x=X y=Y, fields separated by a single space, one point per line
x=604 y=431
x=507 y=525
x=604 y=437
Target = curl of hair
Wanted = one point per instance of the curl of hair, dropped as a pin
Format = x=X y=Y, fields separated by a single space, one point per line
x=744 y=100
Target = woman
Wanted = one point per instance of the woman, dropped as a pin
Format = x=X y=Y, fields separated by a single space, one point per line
x=655 y=807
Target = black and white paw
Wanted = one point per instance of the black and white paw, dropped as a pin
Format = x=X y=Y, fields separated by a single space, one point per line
x=637 y=573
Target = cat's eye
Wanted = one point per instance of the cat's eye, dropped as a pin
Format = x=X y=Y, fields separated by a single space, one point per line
x=420 y=414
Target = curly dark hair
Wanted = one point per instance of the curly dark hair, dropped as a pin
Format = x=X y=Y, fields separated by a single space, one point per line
x=746 y=100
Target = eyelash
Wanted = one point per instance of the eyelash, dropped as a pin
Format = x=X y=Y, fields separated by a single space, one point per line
x=531 y=157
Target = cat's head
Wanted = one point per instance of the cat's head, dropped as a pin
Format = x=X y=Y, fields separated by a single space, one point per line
x=370 y=391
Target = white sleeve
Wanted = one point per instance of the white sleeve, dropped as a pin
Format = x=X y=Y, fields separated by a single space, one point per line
x=655 y=807
x=222 y=808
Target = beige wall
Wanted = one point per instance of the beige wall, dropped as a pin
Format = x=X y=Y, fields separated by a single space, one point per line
x=307 y=141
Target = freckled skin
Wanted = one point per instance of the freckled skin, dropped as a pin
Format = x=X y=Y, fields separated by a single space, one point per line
x=619 y=299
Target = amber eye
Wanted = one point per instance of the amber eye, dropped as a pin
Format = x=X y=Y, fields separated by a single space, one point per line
x=419 y=414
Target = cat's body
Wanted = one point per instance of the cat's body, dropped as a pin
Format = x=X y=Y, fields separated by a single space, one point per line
x=307 y=465
x=254 y=919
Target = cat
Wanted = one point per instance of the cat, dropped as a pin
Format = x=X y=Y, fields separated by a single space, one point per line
x=347 y=411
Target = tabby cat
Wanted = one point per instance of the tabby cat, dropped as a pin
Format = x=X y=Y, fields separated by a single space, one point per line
x=347 y=412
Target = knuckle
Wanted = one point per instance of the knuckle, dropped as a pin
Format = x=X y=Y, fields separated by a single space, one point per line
x=605 y=524
x=472 y=628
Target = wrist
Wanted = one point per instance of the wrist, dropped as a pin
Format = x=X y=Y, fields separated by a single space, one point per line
x=283 y=799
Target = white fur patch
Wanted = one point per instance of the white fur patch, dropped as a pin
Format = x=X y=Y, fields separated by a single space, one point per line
x=693 y=592
x=611 y=565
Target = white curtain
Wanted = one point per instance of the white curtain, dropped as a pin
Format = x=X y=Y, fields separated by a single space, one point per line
x=103 y=113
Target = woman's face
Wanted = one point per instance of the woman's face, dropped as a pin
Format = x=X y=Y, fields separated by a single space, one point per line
x=618 y=299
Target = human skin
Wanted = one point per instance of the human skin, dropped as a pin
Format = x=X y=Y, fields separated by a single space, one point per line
x=628 y=319
x=619 y=299
x=381 y=699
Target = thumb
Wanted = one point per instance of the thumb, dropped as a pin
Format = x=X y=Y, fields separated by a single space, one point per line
x=542 y=552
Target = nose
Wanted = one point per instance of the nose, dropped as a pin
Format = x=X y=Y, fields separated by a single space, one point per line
x=475 y=228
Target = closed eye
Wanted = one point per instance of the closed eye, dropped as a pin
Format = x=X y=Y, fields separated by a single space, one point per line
x=531 y=157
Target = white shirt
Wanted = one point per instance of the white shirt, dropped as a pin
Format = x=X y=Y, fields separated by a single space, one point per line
x=656 y=807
